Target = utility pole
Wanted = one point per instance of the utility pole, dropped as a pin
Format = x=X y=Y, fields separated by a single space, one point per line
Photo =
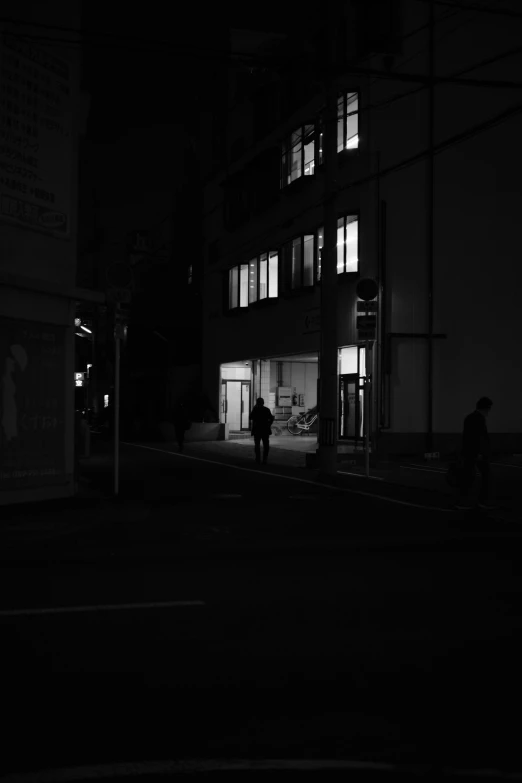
x=117 y=337
x=430 y=163
x=328 y=359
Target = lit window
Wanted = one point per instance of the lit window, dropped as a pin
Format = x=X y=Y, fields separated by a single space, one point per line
x=252 y=280
x=243 y=285
x=273 y=273
x=347 y=244
x=299 y=154
x=263 y=273
x=319 y=252
x=348 y=121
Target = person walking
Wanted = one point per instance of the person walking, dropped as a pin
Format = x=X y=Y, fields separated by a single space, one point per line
x=181 y=423
x=475 y=454
x=261 y=421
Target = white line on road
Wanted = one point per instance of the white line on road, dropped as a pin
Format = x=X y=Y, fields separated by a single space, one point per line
x=163 y=768
x=359 y=475
x=294 y=478
x=97 y=608
x=419 y=467
x=137 y=768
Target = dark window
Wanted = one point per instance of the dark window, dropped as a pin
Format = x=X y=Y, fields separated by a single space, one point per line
x=298 y=261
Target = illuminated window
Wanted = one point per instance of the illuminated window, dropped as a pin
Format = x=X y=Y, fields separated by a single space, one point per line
x=347 y=244
x=318 y=252
x=273 y=273
x=243 y=285
x=348 y=121
x=263 y=276
x=254 y=281
x=299 y=153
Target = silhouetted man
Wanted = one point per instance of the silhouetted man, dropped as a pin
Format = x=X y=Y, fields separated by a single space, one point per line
x=262 y=421
x=475 y=453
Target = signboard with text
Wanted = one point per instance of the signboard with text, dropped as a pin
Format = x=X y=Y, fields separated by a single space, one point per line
x=35 y=138
x=32 y=404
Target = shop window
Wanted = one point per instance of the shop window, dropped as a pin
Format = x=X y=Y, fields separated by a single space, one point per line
x=348 y=121
x=347 y=244
x=299 y=153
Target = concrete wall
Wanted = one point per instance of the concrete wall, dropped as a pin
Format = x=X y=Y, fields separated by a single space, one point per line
x=38 y=275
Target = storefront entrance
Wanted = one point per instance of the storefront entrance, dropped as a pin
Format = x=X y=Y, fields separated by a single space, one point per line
x=235 y=404
x=350 y=408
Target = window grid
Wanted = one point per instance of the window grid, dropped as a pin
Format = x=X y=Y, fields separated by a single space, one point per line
x=301 y=152
x=253 y=281
x=347 y=244
x=348 y=121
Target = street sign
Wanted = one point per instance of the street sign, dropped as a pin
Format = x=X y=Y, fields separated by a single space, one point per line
x=366 y=322
x=368 y=307
x=367 y=334
x=79 y=378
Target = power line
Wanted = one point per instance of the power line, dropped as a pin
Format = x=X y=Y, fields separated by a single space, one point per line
x=394 y=98
x=143 y=45
x=453 y=141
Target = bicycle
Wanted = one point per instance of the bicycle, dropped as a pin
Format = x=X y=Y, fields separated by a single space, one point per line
x=298 y=424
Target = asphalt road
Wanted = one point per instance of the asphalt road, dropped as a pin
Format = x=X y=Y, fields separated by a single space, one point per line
x=217 y=612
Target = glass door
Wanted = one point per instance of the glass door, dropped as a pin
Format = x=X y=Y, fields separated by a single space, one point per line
x=245 y=405
x=223 y=403
x=349 y=408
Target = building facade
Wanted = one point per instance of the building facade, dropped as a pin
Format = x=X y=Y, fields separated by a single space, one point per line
x=42 y=115
x=426 y=198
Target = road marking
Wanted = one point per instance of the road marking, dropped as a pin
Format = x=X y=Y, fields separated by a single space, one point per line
x=137 y=768
x=295 y=478
x=97 y=608
x=419 y=467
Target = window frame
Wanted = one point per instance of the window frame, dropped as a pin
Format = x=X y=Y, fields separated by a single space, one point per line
x=287 y=146
x=344 y=97
x=287 y=255
x=267 y=256
x=355 y=219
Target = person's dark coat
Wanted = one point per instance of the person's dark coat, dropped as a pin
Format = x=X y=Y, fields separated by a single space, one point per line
x=262 y=420
x=475 y=437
